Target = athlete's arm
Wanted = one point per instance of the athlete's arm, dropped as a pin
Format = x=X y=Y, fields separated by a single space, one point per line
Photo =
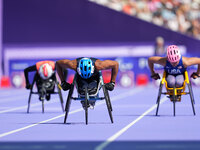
x=26 y=71
x=65 y=64
x=156 y=60
x=108 y=64
x=192 y=61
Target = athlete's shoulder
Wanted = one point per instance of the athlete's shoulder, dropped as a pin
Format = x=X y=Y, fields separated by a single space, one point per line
x=97 y=62
x=158 y=60
x=185 y=58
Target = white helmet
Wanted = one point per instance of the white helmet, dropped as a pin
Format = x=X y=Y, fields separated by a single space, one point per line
x=45 y=71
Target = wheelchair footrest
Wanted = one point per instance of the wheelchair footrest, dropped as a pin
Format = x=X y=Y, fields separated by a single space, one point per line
x=177 y=98
x=90 y=98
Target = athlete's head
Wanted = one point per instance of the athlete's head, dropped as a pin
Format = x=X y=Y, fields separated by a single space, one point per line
x=85 y=68
x=45 y=71
x=173 y=54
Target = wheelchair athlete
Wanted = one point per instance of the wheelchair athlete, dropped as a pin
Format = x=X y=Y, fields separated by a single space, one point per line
x=88 y=74
x=174 y=65
x=45 y=78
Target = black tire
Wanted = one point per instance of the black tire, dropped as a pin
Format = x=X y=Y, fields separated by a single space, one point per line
x=192 y=98
x=174 y=98
x=86 y=106
x=61 y=98
x=159 y=93
x=29 y=101
x=31 y=90
x=42 y=106
x=108 y=97
x=108 y=104
x=190 y=85
x=68 y=102
x=158 y=99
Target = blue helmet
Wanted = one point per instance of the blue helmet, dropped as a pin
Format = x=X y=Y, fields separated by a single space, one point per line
x=85 y=68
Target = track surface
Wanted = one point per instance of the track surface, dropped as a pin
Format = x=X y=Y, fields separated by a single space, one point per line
x=135 y=124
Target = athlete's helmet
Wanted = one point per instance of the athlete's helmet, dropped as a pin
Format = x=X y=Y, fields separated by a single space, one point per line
x=85 y=68
x=45 y=71
x=173 y=53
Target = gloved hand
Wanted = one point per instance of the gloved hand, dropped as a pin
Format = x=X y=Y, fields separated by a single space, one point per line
x=155 y=76
x=110 y=86
x=28 y=86
x=65 y=85
x=194 y=75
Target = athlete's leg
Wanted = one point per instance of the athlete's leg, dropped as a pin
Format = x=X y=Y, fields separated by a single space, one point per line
x=41 y=90
x=92 y=87
x=179 y=80
x=171 y=81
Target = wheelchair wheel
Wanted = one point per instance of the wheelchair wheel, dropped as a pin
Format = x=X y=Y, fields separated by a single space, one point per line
x=61 y=98
x=159 y=96
x=108 y=97
x=191 y=97
x=31 y=91
x=108 y=103
x=42 y=106
x=86 y=104
x=67 y=107
x=159 y=93
x=174 y=100
x=190 y=86
x=29 y=101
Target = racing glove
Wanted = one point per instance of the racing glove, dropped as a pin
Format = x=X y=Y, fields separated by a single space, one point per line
x=65 y=85
x=155 y=76
x=194 y=75
x=28 y=86
x=110 y=86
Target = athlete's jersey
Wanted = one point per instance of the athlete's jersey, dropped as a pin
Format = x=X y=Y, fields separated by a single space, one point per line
x=177 y=70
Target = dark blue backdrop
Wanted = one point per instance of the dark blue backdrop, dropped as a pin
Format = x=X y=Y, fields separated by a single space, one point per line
x=79 y=21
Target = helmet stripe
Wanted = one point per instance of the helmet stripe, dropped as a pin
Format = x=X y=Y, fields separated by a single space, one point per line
x=45 y=71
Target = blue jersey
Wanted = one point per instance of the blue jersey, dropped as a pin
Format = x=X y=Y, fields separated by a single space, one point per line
x=179 y=69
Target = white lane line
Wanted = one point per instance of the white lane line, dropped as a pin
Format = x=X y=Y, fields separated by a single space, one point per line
x=117 y=97
x=120 y=132
x=120 y=96
x=8 y=92
x=39 y=103
x=25 y=106
x=13 y=98
x=26 y=127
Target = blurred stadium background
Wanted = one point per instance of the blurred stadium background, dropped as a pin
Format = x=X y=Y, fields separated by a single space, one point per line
x=128 y=31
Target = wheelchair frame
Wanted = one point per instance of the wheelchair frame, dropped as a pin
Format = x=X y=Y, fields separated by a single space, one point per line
x=32 y=92
x=174 y=92
x=86 y=97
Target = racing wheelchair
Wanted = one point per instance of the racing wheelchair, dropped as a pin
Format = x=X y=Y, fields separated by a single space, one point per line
x=48 y=85
x=87 y=95
x=175 y=93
